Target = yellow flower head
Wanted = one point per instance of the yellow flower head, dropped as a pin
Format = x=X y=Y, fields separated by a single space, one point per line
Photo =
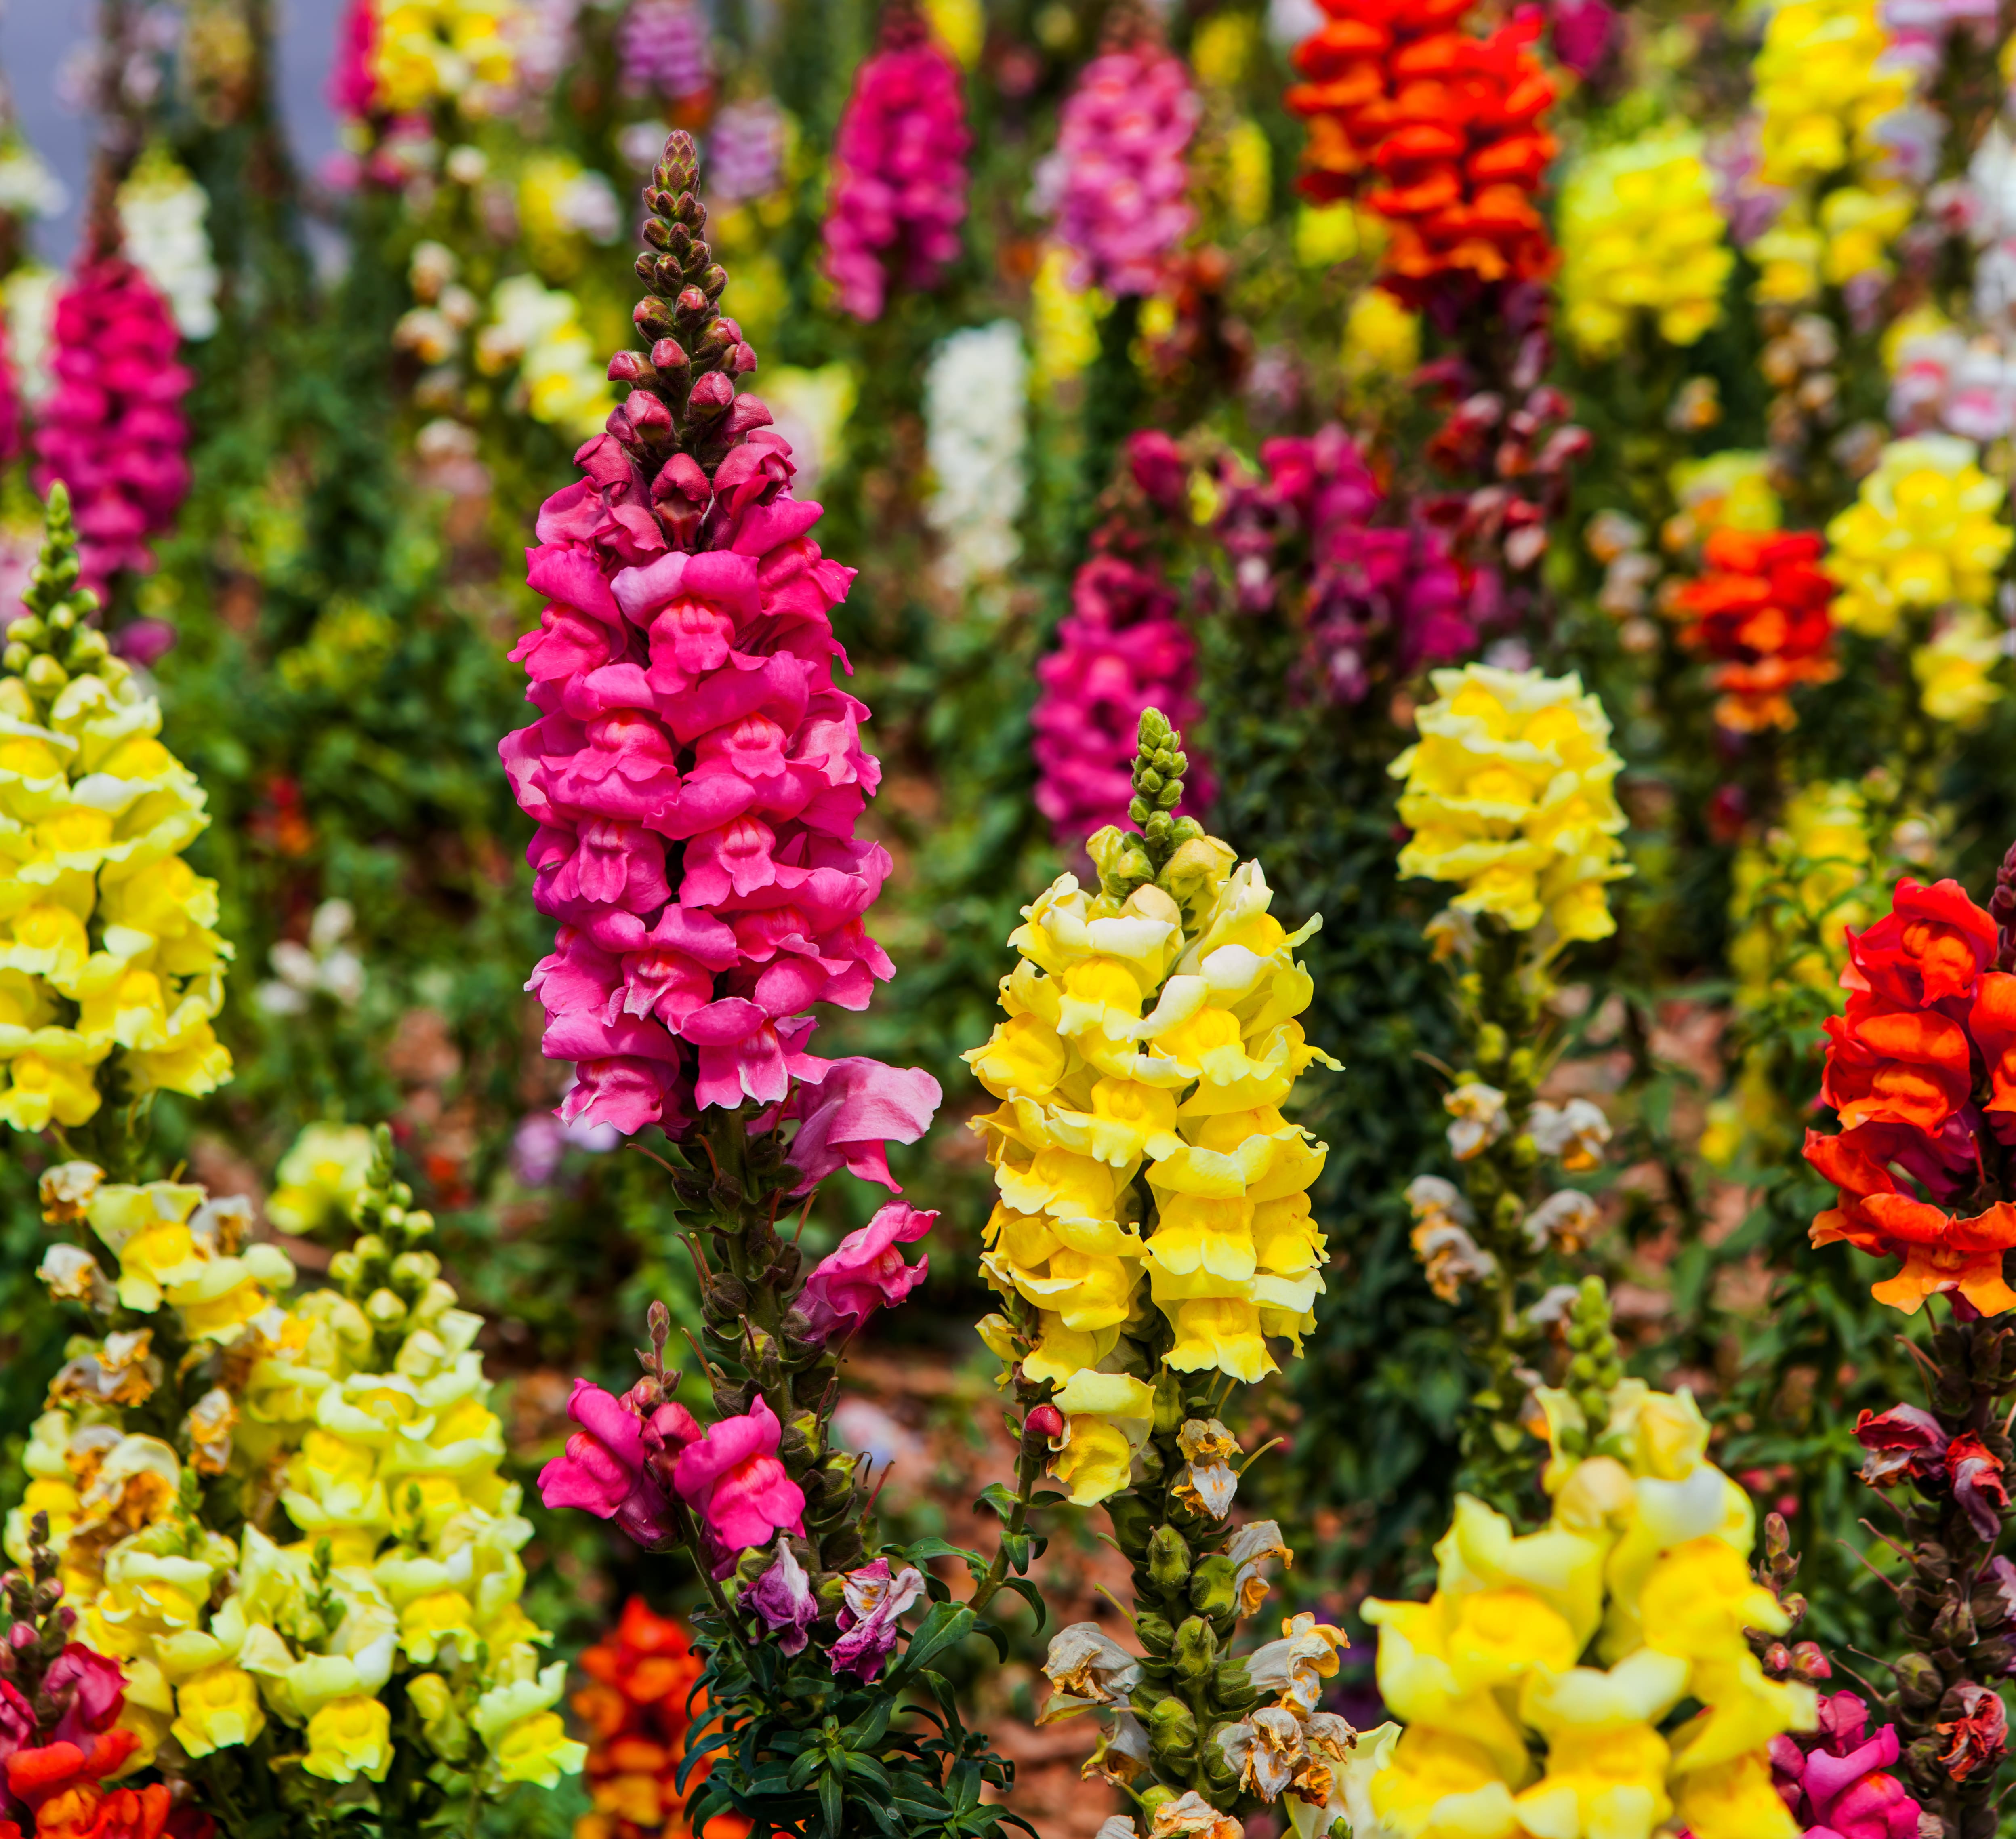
x=320 y=1177
x=349 y=1737
x=107 y=946
x=1823 y=88
x=1063 y=320
x=218 y=1709
x=1640 y=231
x=1923 y=533
x=1149 y=1040
x=1954 y=669
x=1511 y=794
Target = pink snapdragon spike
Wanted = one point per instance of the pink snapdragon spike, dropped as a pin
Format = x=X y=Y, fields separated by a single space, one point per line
x=745 y=150
x=662 y=46
x=696 y=774
x=1388 y=598
x=1121 y=649
x=733 y=1482
x=899 y=174
x=10 y=403
x=869 y=1622
x=606 y=1469
x=865 y=1272
x=351 y=90
x=113 y=429
x=1118 y=181
x=1833 y=1782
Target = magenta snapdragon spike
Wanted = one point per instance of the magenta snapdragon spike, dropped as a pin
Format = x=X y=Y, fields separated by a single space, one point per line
x=899 y=173
x=351 y=88
x=1390 y=598
x=662 y=46
x=696 y=775
x=1121 y=649
x=10 y=401
x=745 y=150
x=113 y=429
x=1117 y=183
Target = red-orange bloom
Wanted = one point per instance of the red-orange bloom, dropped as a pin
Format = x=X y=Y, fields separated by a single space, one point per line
x=1439 y=131
x=1762 y=609
x=1890 y=1065
x=1992 y=1021
x=1874 y=1214
x=64 y=1788
x=636 y=1711
x=1932 y=947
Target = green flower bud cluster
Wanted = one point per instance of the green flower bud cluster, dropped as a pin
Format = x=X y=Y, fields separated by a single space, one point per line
x=55 y=641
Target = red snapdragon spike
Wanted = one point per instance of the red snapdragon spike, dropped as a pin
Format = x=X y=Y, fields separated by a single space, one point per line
x=1439 y=131
x=899 y=170
x=1926 y=1024
x=1761 y=610
x=640 y=1716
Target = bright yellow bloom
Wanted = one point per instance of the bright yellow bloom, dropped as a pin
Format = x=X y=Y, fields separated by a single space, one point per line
x=1734 y=1800
x=1510 y=793
x=1149 y=1043
x=1819 y=90
x=1650 y=1540
x=1382 y=340
x=961 y=27
x=350 y=1737
x=1859 y=225
x=1063 y=320
x=216 y=1710
x=1954 y=668
x=1923 y=534
x=426 y=48
x=1640 y=231
x=1727 y=491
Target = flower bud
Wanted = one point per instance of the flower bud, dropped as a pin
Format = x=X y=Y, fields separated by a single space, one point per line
x=1168 y=1558
x=1919 y=1684
x=1157 y=1635
x=385 y=1308
x=1214 y=1590
x=652 y=317
x=1233 y=1688
x=1041 y=1429
x=1129 y=1516
x=1196 y=1655
x=1172 y=1733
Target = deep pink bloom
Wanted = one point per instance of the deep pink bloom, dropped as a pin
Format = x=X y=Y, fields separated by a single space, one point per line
x=732 y=1480
x=865 y=1272
x=1832 y=1780
x=745 y=150
x=696 y=777
x=350 y=88
x=1116 y=183
x=97 y=1689
x=868 y=1626
x=1583 y=32
x=899 y=178
x=783 y=1596
x=1120 y=650
x=851 y=1112
x=113 y=428
x=17 y=1716
x=606 y=1469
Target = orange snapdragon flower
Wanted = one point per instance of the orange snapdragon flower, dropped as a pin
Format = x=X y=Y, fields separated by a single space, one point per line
x=1762 y=609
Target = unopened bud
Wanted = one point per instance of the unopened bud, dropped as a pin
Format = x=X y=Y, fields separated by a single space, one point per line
x=1168 y=1558
x=1196 y=1655
x=1043 y=1425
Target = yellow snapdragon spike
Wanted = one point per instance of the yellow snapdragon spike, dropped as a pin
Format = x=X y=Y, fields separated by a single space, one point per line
x=1511 y=794
x=1822 y=87
x=1955 y=669
x=1922 y=533
x=1649 y=1540
x=1641 y=233
x=1148 y=1043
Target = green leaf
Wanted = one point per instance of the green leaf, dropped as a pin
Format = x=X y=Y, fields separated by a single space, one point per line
x=998 y=1496
x=947 y=1625
x=832 y=1805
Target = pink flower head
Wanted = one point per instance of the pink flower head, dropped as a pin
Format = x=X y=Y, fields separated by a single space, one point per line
x=865 y=1272
x=113 y=429
x=732 y=1480
x=606 y=1469
x=851 y=1112
x=868 y=1626
x=783 y=1596
x=17 y=1716
x=899 y=176
x=1583 y=32
x=1832 y=1781
x=745 y=150
x=696 y=777
x=1116 y=183
x=96 y=1690
x=351 y=90
x=662 y=45
x=1120 y=650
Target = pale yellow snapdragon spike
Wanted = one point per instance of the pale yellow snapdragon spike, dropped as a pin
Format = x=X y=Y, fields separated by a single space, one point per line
x=1510 y=793
x=1647 y=1550
x=1150 y=1040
